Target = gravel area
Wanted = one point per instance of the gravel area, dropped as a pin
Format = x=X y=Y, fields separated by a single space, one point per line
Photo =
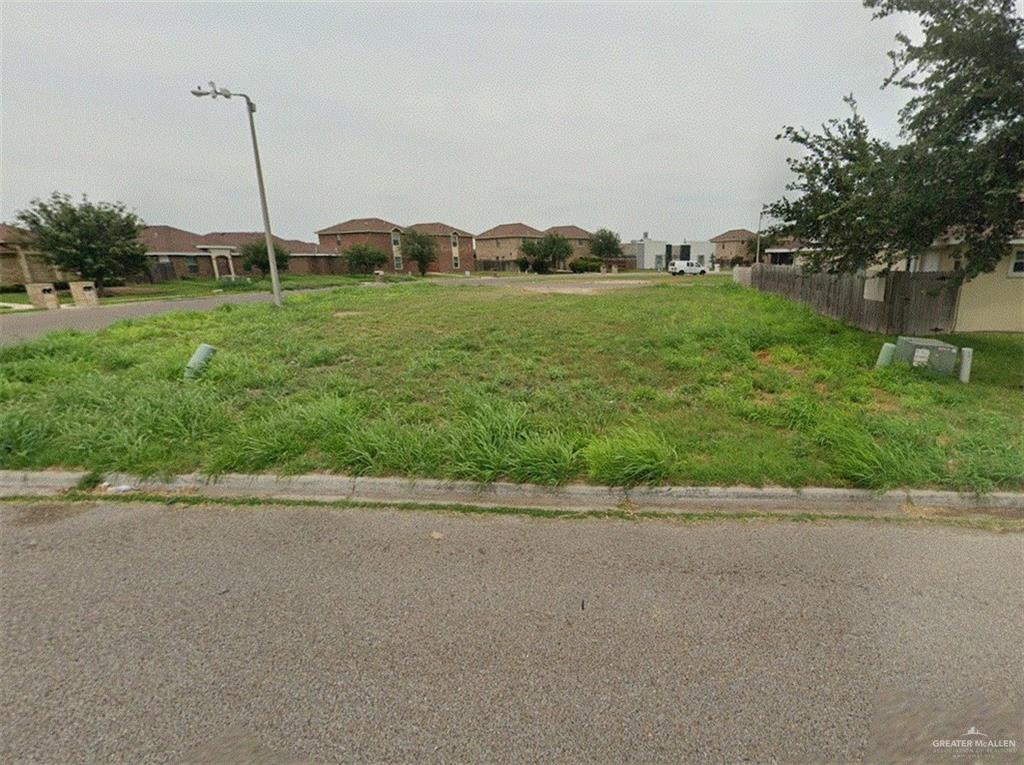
x=144 y=633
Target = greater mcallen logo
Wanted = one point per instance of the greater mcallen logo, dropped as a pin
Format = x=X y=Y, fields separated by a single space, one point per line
x=976 y=741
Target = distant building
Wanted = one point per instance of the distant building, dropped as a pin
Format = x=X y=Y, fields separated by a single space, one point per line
x=499 y=247
x=177 y=253
x=454 y=247
x=702 y=252
x=579 y=239
x=732 y=246
x=650 y=254
x=375 y=232
x=20 y=264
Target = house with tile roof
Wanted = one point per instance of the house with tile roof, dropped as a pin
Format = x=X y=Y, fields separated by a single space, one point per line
x=178 y=253
x=20 y=263
x=577 y=237
x=732 y=247
x=454 y=247
x=498 y=247
x=378 y=233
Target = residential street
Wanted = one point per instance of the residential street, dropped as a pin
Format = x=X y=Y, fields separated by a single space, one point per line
x=16 y=328
x=144 y=633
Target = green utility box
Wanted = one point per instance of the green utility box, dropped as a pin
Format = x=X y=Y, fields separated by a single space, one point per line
x=924 y=352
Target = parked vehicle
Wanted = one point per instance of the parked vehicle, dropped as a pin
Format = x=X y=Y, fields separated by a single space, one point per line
x=686 y=267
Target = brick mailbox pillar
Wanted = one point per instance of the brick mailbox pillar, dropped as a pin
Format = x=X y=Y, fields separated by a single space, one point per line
x=84 y=294
x=42 y=295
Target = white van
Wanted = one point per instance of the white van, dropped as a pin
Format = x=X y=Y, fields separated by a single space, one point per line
x=686 y=267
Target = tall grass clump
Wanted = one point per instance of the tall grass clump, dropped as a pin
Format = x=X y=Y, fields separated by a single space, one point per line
x=630 y=456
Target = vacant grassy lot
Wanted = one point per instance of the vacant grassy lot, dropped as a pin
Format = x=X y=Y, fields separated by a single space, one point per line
x=685 y=381
x=187 y=288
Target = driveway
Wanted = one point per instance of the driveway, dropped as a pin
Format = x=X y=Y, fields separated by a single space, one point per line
x=145 y=633
x=16 y=328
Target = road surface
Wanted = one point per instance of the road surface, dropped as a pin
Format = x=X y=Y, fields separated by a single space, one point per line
x=143 y=633
x=18 y=327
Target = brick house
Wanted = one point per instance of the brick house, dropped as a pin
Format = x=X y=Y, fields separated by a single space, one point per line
x=20 y=264
x=499 y=247
x=732 y=245
x=177 y=253
x=375 y=232
x=454 y=247
x=579 y=239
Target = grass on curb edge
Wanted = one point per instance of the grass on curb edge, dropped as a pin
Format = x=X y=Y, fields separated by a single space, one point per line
x=978 y=522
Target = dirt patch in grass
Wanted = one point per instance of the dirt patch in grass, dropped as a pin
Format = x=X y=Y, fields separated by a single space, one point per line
x=344 y=314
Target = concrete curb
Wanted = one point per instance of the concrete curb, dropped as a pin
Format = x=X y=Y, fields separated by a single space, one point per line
x=573 y=497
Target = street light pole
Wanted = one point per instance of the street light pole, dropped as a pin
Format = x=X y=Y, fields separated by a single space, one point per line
x=250 y=108
x=757 y=257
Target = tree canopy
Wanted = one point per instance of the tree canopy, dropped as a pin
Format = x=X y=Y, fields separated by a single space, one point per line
x=420 y=248
x=546 y=253
x=254 y=255
x=98 y=240
x=605 y=244
x=960 y=170
x=363 y=259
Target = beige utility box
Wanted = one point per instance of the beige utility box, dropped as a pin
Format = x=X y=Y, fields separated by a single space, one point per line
x=42 y=295
x=84 y=294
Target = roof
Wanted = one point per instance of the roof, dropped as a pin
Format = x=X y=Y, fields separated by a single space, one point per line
x=242 y=238
x=171 y=239
x=438 y=229
x=511 y=231
x=11 y=234
x=361 y=226
x=569 y=232
x=168 y=239
x=734 y=235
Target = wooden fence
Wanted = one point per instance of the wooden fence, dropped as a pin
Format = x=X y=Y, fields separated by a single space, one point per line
x=897 y=303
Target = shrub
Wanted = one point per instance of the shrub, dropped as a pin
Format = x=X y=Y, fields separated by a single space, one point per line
x=363 y=259
x=585 y=265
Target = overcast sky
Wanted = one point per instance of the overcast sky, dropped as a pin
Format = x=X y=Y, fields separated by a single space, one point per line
x=657 y=118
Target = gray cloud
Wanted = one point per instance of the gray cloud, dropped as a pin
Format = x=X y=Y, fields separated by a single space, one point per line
x=638 y=117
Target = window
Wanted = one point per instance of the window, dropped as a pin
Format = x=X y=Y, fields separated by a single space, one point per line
x=455 y=241
x=192 y=265
x=396 y=239
x=455 y=260
x=398 y=262
x=1017 y=264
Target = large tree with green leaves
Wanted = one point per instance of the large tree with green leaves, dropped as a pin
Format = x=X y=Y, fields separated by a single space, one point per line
x=546 y=253
x=364 y=259
x=605 y=244
x=254 y=255
x=420 y=248
x=959 y=171
x=98 y=240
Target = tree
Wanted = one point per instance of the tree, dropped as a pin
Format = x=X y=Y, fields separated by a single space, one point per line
x=254 y=255
x=605 y=244
x=97 y=240
x=364 y=259
x=959 y=172
x=420 y=248
x=546 y=253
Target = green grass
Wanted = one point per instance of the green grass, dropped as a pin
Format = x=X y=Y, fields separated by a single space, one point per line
x=705 y=383
x=189 y=288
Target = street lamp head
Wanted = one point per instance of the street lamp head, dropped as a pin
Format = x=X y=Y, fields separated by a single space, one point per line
x=199 y=92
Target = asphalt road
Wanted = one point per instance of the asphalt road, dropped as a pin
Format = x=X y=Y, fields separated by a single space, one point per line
x=139 y=633
x=18 y=327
